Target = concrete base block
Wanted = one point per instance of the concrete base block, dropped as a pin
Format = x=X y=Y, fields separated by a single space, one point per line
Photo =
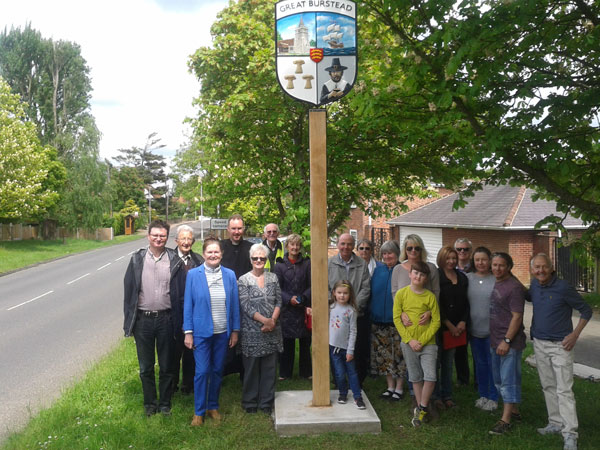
x=294 y=415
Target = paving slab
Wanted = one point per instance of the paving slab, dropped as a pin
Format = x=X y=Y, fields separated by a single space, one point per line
x=295 y=415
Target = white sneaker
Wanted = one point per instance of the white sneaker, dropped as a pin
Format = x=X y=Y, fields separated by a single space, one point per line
x=551 y=428
x=570 y=442
x=490 y=405
x=480 y=402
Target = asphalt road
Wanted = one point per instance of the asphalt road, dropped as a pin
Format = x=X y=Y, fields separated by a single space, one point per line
x=56 y=320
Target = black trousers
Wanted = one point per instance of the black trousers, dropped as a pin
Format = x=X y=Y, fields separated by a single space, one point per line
x=287 y=357
x=183 y=362
x=150 y=333
x=362 y=348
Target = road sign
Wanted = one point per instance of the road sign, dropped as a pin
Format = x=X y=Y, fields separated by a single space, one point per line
x=316 y=49
x=218 y=224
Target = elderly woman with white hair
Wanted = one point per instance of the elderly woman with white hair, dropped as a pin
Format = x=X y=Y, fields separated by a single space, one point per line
x=260 y=305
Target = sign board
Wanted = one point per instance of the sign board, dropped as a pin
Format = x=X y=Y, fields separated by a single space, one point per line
x=316 y=45
x=218 y=224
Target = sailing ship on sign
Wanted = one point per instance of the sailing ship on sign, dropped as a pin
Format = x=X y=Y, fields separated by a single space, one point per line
x=334 y=36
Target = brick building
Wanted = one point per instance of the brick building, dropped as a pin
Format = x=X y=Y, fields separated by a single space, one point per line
x=501 y=218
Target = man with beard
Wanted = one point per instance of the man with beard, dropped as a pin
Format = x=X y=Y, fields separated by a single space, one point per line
x=336 y=87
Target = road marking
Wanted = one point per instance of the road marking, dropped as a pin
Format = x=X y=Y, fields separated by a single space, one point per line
x=120 y=257
x=29 y=301
x=100 y=268
x=77 y=279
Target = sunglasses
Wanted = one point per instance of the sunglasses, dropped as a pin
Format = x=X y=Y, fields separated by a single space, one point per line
x=258 y=258
x=463 y=249
x=364 y=248
x=416 y=249
x=272 y=231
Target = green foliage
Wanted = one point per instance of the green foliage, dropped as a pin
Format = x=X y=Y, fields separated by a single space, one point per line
x=30 y=175
x=251 y=140
x=52 y=78
x=505 y=92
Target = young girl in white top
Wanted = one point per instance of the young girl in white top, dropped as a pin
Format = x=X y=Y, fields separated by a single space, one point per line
x=342 y=337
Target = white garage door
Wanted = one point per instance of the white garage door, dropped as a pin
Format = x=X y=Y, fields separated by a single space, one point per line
x=432 y=238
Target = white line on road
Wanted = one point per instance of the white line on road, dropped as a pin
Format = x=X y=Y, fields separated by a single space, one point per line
x=100 y=268
x=120 y=257
x=29 y=301
x=77 y=279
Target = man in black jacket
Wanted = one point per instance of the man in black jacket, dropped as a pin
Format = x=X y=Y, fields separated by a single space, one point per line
x=152 y=307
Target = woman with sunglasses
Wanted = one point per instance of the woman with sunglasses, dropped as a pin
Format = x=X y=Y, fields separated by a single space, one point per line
x=260 y=304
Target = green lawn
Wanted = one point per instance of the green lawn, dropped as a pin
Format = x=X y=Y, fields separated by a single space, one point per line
x=105 y=411
x=18 y=254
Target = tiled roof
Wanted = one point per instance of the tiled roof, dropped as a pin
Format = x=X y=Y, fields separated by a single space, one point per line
x=502 y=206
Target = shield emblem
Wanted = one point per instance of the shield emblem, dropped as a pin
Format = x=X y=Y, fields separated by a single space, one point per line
x=316 y=55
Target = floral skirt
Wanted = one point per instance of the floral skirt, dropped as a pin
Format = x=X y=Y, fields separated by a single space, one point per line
x=386 y=353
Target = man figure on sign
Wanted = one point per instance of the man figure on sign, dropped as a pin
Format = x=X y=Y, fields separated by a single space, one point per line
x=236 y=250
x=348 y=266
x=152 y=307
x=183 y=356
x=553 y=341
x=336 y=87
x=274 y=245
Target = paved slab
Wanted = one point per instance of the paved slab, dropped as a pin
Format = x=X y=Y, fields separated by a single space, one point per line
x=294 y=415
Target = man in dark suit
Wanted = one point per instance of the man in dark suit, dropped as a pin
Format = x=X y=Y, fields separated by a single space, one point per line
x=184 y=357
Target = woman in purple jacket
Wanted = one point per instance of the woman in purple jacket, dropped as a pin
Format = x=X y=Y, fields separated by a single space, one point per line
x=293 y=273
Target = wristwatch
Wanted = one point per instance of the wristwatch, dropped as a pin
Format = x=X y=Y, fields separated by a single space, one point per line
x=507 y=340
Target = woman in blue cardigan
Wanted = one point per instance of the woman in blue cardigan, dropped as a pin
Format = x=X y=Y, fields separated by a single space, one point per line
x=211 y=322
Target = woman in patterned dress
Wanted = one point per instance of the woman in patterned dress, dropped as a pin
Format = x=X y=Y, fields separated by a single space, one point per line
x=260 y=305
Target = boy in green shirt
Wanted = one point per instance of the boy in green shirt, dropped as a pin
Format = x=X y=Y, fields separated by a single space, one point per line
x=418 y=340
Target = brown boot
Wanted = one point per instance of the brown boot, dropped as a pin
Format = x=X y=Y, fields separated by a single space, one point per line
x=213 y=414
x=197 y=421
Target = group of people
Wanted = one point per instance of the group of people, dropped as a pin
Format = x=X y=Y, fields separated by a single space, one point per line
x=205 y=313
x=402 y=318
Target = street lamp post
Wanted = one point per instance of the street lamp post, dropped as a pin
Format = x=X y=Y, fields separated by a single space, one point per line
x=200 y=178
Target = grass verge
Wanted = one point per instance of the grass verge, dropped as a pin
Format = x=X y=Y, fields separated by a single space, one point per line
x=18 y=254
x=104 y=411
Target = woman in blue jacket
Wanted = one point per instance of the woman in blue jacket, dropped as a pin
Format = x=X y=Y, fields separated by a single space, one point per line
x=211 y=322
x=386 y=353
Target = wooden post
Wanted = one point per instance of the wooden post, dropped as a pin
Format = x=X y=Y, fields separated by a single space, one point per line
x=317 y=120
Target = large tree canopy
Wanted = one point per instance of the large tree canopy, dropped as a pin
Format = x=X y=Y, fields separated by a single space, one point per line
x=52 y=77
x=510 y=89
x=29 y=173
x=251 y=139
x=446 y=91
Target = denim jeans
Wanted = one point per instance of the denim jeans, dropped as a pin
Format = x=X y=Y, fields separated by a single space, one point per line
x=507 y=374
x=343 y=368
x=152 y=332
x=210 y=355
x=480 y=348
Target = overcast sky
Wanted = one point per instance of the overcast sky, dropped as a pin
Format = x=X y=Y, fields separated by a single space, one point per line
x=137 y=51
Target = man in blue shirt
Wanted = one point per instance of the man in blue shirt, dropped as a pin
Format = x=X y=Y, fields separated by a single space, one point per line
x=553 y=341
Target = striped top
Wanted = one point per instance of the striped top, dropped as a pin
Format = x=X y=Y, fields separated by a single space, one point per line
x=214 y=278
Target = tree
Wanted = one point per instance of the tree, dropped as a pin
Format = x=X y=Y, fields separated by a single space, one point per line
x=252 y=139
x=29 y=173
x=84 y=196
x=509 y=90
x=150 y=168
x=53 y=78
